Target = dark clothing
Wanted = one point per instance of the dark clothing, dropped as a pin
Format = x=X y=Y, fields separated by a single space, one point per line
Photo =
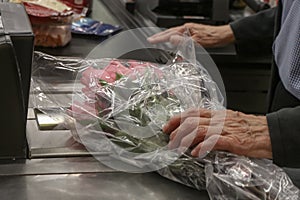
x=284 y=119
x=284 y=127
x=257 y=27
x=284 y=109
x=254 y=34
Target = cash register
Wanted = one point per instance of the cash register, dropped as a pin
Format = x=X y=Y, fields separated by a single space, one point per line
x=16 y=49
x=168 y=13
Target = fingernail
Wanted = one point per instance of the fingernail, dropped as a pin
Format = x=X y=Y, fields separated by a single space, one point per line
x=170 y=145
x=164 y=128
x=194 y=153
x=150 y=39
x=181 y=149
x=203 y=154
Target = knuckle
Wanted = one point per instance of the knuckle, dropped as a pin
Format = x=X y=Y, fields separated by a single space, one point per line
x=223 y=143
x=191 y=121
x=201 y=130
x=189 y=25
x=194 y=112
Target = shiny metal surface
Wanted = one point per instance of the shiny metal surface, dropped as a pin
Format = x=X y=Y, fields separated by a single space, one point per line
x=104 y=186
x=51 y=143
x=46 y=139
x=101 y=13
x=52 y=166
x=30 y=114
x=63 y=100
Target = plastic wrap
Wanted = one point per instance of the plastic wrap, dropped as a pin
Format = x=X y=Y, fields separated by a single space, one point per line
x=119 y=106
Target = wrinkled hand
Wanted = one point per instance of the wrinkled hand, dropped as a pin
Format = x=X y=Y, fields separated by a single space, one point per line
x=226 y=130
x=205 y=35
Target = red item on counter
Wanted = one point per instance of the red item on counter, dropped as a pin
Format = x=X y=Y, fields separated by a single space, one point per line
x=79 y=6
x=40 y=11
x=39 y=14
x=51 y=22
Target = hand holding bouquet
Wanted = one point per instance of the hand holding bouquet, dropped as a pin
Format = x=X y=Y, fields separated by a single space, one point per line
x=122 y=107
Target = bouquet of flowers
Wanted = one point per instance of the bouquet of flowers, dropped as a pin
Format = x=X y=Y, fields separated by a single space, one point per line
x=123 y=105
x=121 y=108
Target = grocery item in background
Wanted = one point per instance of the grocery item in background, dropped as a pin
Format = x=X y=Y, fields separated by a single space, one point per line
x=81 y=7
x=87 y=26
x=51 y=21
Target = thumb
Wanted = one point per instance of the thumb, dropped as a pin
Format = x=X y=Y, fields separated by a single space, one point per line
x=176 y=39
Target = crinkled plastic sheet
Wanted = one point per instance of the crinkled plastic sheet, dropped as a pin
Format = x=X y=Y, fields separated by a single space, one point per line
x=124 y=111
x=119 y=107
x=229 y=176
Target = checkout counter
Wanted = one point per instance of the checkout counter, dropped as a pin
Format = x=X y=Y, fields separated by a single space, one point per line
x=51 y=165
x=56 y=167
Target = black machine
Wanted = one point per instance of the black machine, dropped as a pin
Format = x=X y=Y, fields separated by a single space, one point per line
x=16 y=49
x=168 y=13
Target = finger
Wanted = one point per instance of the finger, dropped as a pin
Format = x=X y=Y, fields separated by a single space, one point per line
x=195 y=26
x=200 y=123
x=215 y=142
x=202 y=133
x=172 y=124
x=191 y=27
x=187 y=127
x=195 y=137
x=198 y=112
x=188 y=25
x=162 y=34
x=208 y=117
x=178 y=29
x=232 y=113
x=192 y=131
x=165 y=37
x=176 y=39
x=175 y=121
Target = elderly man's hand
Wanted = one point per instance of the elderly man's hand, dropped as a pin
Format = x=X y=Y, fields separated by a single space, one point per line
x=226 y=130
x=205 y=35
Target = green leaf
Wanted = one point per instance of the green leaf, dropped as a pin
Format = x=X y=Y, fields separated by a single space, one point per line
x=118 y=76
x=102 y=82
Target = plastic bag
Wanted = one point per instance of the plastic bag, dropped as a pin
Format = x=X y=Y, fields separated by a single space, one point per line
x=229 y=176
x=119 y=106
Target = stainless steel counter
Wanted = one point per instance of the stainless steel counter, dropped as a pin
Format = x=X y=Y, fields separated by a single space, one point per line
x=85 y=178
x=106 y=186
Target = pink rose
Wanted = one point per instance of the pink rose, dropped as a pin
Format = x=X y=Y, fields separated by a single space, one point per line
x=84 y=110
x=116 y=67
x=94 y=81
x=91 y=76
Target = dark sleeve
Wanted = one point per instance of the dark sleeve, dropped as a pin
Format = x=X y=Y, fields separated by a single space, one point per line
x=255 y=27
x=254 y=34
x=284 y=127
